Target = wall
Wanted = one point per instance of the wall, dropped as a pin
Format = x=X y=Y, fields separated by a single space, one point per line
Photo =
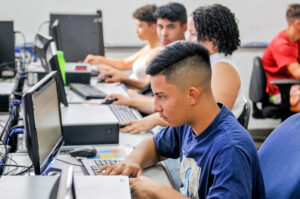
x=258 y=20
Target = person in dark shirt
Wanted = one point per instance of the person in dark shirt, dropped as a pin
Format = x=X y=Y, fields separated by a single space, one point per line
x=218 y=156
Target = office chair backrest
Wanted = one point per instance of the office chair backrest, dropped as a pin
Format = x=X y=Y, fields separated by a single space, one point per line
x=280 y=160
x=258 y=81
x=245 y=115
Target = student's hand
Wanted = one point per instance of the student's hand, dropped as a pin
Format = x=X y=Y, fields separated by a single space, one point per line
x=134 y=93
x=91 y=59
x=126 y=167
x=114 y=75
x=137 y=126
x=142 y=187
x=120 y=99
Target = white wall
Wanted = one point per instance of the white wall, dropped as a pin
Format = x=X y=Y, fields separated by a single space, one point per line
x=259 y=20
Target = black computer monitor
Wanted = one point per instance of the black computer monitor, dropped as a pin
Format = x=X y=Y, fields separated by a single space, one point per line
x=52 y=60
x=41 y=43
x=56 y=34
x=81 y=34
x=43 y=126
x=47 y=52
x=7 y=49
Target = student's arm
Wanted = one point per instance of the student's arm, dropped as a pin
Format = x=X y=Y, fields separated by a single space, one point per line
x=145 y=124
x=119 y=76
x=294 y=69
x=143 y=187
x=144 y=105
x=135 y=83
x=143 y=156
x=225 y=83
x=120 y=64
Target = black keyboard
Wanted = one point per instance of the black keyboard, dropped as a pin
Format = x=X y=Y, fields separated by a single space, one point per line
x=93 y=165
x=87 y=91
x=123 y=113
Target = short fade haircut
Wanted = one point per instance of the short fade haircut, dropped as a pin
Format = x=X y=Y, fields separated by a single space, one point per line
x=184 y=64
x=145 y=14
x=173 y=12
x=293 y=12
x=216 y=23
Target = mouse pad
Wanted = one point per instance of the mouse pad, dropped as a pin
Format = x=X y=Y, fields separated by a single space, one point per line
x=114 y=153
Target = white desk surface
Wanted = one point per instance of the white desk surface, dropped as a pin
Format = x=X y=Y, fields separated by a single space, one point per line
x=127 y=141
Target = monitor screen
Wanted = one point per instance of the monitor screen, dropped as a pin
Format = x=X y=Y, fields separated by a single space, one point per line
x=7 y=49
x=80 y=35
x=43 y=125
x=41 y=43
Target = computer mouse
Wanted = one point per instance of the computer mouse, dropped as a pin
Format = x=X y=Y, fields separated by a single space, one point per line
x=83 y=151
x=102 y=79
x=109 y=101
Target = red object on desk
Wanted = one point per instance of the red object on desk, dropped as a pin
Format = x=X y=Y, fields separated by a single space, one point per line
x=81 y=67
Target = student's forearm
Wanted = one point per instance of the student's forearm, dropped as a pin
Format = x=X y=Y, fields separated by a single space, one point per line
x=135 y=83
x=163 y=191
x=142 y=104
x=119 y=64
x=144 y=154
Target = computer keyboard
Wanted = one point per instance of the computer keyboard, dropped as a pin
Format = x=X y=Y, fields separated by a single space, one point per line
x=87 y=91
x=93 y=165
x=123 y=113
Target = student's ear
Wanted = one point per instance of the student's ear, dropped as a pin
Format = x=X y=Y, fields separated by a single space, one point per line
x=297 y=23
x=184 y=27
x=194 y=94
x=153 y=27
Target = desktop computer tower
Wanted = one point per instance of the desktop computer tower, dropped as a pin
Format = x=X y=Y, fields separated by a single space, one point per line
x=85 y=124
x=74 y=73
x=6 y=89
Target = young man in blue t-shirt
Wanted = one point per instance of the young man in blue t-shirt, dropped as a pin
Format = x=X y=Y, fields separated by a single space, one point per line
x=218 y=157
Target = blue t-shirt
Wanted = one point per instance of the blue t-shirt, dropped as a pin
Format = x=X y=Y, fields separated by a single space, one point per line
x=221 y=162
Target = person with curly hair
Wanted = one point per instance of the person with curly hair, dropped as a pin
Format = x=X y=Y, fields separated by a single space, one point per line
x=146 y=31
x=216 y=28
x=281 y=59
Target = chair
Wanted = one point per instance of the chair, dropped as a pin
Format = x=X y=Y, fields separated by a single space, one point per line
x=245 y=115
x=279 y=159
x=258 y=94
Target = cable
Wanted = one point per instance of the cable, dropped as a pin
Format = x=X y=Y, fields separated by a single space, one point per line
x=17 y=131
x=69 y=162
x=12 y=165
x=42 y=24
x=24 y=171
x=14 y=169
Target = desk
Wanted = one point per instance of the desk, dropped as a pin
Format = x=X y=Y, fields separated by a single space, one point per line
x=128 y=141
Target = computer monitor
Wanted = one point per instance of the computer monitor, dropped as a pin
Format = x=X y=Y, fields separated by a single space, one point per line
x=7 y=49
x=56 y=34
x=64 y=186
x=81 y=34
x=41 y=43
x=47 y=52
x=52 y=60
x=43 y=126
